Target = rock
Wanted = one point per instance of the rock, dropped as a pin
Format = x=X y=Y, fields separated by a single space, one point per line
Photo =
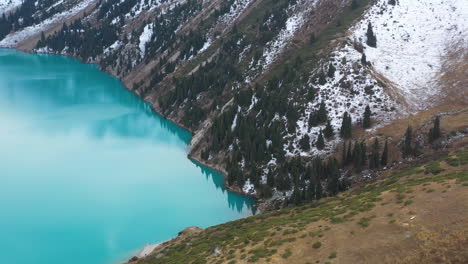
x=133 y=259
x=189 y=230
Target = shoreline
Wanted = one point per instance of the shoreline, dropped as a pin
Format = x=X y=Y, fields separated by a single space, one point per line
x=156 y=111
x=150 y=248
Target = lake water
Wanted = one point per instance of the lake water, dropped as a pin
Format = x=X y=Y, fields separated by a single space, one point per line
x=88 y=173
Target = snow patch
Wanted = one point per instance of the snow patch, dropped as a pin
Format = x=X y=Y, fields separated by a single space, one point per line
x=412 y=39
x=145 y=37
x=249 y=188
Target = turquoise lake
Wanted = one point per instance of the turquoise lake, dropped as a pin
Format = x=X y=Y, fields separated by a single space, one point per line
x=88 y=173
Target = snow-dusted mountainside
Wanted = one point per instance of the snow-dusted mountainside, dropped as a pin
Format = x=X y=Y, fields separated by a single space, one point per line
x=261 y=82
x=413 y=38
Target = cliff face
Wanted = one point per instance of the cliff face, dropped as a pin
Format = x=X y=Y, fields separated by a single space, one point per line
x=258 y=81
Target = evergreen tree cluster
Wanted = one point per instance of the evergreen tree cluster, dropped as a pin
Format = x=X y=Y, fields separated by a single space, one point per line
x=80 y=39
x=359 y=157
x=27 y=15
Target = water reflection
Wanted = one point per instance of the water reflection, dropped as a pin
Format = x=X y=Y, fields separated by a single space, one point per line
x=218 y=181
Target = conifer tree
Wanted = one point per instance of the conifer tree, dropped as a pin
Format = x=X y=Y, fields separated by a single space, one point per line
x=328 y=132
x=333 y=177
x=371 y=38
x=392 y=2
x=305 y=142
x=354 y=4
x=322 y=80
x=344 y=155
x=357 y=157
x=346 y=126
x=434 y=132
x=366 y=122
x=320 y=144
x=375 y=155
x=318 y=190
x=296 y=196
x=407 y=148
x=349 y=154
x=384 y=159
x=270 y=179
x=363 y=59
x=322 y=112
x=331 y=71
x=314 y=119
x=312 y=39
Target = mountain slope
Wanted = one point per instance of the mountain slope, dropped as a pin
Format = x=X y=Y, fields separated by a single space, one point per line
x=259 y=82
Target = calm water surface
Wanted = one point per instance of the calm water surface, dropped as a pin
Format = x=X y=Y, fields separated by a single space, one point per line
x=88 y=174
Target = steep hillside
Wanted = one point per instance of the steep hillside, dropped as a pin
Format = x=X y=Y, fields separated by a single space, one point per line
x=268 y=87
x=413 y=215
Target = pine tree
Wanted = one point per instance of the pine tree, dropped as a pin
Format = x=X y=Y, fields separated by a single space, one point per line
x=366 y=123
x=346 y=126
x=375 y=155
x=344 y=155
x=384 y=159
x=331 y=71
x=392 y=2
x=328 y=132
x=357 y=157
x=322 y=113
x=371 y=38
x=314 y=119
x=434 y=132
x=407 y=148
x=363 y=59
x=305 y=143
x=320 y=144
x=312 y=39
x=270 y=179
x=354 y=4
x=333 y=177
x=322 y=80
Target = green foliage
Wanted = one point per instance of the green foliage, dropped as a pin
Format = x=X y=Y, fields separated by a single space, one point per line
x=433 y=168
x=317 y=244
x=287 y=253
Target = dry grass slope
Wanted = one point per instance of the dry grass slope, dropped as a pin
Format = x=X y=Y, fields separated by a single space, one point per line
x=417 y=215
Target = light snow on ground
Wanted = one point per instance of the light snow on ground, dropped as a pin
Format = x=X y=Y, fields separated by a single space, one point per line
x=235 y=11
x=362 y=90
x=412 y=39
x=249 y=188
x=13 y=38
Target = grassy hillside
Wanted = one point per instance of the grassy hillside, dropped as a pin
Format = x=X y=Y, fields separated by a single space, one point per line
x=413 y=215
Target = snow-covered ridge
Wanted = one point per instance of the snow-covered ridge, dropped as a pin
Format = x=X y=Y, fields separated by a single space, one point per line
x=13 y=38
x=413 y=37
